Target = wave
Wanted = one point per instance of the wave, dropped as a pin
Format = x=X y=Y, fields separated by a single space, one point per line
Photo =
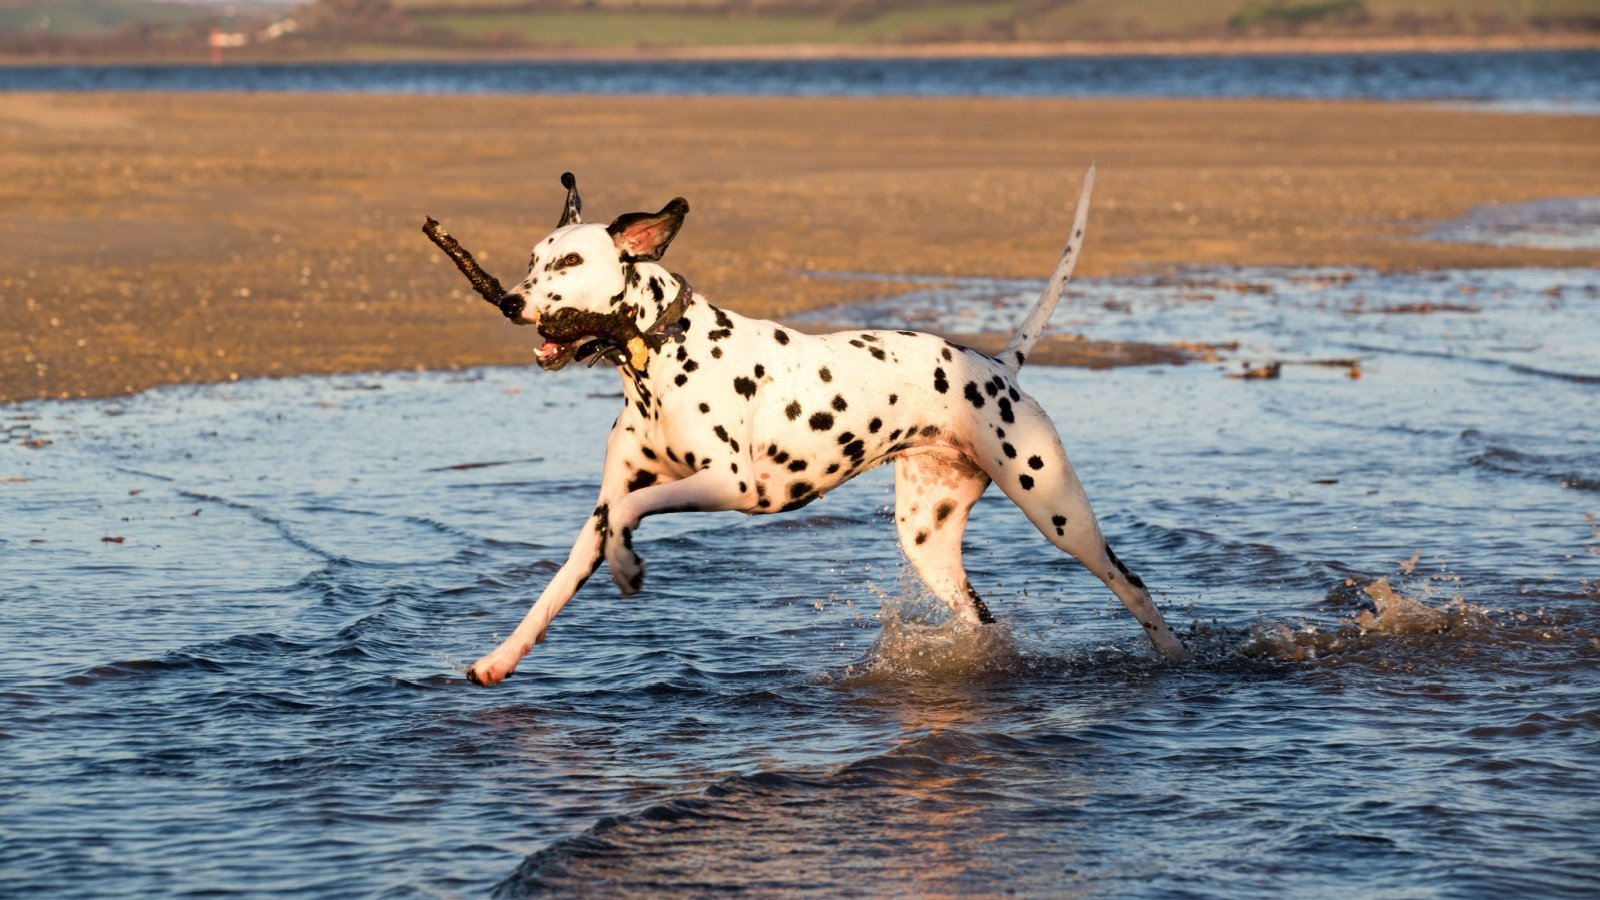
x=1569 y=471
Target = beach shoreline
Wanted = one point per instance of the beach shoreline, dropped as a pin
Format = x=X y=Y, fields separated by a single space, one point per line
x=191 y=238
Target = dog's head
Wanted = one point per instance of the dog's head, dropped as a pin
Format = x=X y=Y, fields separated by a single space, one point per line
x=584 y=282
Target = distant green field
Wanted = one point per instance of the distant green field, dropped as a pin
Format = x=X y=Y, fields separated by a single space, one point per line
x=607 y=28
x=685 y=23
x=672 y=23
x=88 y=17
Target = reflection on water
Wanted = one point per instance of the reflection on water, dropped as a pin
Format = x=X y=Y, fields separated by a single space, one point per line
x=230 y=616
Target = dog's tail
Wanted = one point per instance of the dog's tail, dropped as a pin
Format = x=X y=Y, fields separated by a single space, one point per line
x=1033 y=326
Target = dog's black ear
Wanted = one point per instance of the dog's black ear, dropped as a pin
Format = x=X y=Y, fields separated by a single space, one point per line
x=645 y=236
x=569 y=215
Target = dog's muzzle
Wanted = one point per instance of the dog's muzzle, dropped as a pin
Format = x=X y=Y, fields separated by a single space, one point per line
x=511 y=306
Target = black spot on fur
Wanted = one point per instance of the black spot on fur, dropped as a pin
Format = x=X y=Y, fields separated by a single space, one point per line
x=922 y=537
x=1009 y=451
x=641 y=479
x=781 y=336
x=945 y=352
x=721 y=433
x=893 y=399
x=838 y=403
x=877 y=354
x=1026 y=481
x=939 y=382
x=1133 y=579
x=930 y=430
x=716 y=352
x=874 y=425
x=798 y=465
x=796 y=504
x=984 y=616
x=943 y=511
x=824 y=374
x=681 y=380
x=847 y=437
x=973 y=397
x=744 y=386
x=1035 y=463
x=690 y=365
x=648 y=453
x=792 y=410
x=821 y=421
x=760 y=370
x=1058 y=521
x=799 y=489
x=705 y=407
x=1006 y=415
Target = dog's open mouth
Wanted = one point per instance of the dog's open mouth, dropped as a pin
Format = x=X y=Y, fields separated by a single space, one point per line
x=574 y=334
x=553 y=355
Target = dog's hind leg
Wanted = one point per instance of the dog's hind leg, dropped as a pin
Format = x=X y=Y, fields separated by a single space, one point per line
x=1024 y=457
x=933 y=492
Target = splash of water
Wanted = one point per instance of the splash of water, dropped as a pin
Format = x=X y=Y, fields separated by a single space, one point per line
x=919 y=640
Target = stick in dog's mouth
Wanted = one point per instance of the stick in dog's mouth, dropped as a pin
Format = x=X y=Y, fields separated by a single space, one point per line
x=609 y=336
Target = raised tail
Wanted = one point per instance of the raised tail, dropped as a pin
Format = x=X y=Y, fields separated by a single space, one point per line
x=1032 y=327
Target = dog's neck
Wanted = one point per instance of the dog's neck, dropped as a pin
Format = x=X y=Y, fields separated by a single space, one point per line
x=654 y=297
x=656 y=303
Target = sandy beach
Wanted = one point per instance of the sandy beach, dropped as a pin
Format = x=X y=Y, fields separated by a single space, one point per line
x=156 y=239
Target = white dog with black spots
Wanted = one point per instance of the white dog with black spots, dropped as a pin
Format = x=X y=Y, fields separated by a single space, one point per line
x=724 y=412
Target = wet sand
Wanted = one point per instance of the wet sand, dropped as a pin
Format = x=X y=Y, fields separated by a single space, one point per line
x=157 y=239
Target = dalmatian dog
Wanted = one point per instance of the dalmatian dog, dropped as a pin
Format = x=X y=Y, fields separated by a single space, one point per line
x=724 y=412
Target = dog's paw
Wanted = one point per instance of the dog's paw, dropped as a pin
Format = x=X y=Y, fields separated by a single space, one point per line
x=489 y=670
x=627 y=570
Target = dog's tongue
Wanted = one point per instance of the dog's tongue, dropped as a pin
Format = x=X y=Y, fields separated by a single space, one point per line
x=549 y=349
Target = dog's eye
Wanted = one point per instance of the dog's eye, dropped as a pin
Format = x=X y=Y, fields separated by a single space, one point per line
x=571 y=259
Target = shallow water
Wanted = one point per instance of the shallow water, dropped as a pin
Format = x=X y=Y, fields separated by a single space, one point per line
x=1529 y=82
x=1392 y=584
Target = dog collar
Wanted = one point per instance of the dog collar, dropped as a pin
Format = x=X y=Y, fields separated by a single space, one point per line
x=636 y=354
x=673 y=312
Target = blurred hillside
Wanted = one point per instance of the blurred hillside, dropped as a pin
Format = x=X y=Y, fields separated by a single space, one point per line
x=396 y=28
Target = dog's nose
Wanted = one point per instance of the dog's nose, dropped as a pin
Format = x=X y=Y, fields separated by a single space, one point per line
x=511 y=306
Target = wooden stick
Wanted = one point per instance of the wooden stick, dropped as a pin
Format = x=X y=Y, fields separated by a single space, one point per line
x=487 y=286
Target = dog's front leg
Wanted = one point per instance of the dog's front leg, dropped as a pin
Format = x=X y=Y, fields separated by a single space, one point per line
x=704 y=491
x=587 y=551
x=581 y=563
